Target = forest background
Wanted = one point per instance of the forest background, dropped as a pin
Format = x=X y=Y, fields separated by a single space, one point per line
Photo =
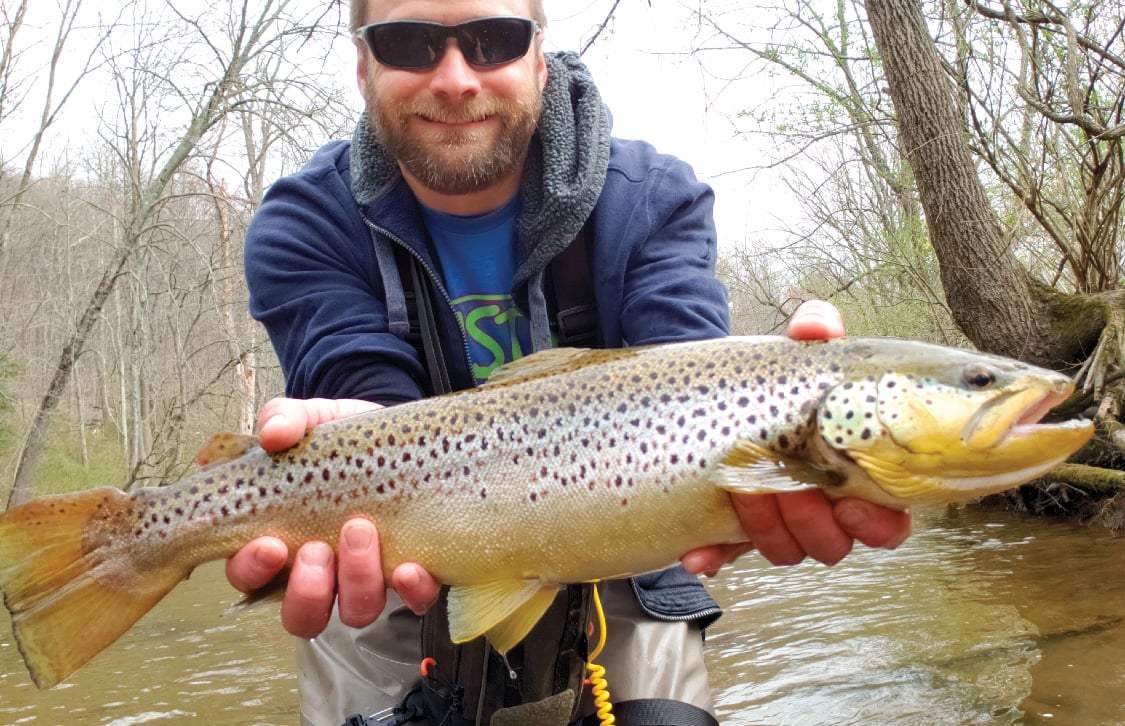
x=947 y=171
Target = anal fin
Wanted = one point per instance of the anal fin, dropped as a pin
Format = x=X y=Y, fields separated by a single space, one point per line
x=504 y=611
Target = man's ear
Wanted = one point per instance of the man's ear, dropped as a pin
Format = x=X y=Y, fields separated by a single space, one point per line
x=360 y=64
x=542 y=69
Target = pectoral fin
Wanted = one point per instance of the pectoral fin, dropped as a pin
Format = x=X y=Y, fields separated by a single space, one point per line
x=503 y=611
x=753 y=469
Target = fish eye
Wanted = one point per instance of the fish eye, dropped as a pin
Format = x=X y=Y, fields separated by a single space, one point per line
x=979 y=376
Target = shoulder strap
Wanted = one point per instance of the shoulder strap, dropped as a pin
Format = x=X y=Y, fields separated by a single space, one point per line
x=571 y=277
x=423 y=333
x=571 y=297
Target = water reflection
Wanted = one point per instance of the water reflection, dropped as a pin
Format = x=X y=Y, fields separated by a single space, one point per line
x=980 y=618
x=184 y=660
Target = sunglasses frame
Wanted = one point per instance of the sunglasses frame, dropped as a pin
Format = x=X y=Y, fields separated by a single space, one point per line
x=442 y=33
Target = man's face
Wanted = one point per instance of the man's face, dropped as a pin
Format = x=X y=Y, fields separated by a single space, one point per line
x=456 y=128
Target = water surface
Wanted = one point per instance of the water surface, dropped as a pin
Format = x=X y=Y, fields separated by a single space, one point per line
x=982 y=617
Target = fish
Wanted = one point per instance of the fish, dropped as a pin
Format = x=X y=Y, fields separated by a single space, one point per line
x=569 y=466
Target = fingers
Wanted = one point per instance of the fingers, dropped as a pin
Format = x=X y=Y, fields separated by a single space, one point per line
x=307 y=605
x=283 y=421
x=816 y=320
x=253 y=566
x=352 y=579
x=787 y=528
x=417 y=587
x=362 y=592
x=708 y=560
x=873 y=525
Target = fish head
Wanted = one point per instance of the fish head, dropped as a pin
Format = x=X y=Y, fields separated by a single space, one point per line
x=943 y=425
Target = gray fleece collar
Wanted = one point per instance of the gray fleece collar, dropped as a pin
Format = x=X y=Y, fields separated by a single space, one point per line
x=563 y=176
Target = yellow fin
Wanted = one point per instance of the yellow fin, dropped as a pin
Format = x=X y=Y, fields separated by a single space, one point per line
x=69 y=595
x=224 y=447
x=503 y=611
x=508 y=633
x=753 y=469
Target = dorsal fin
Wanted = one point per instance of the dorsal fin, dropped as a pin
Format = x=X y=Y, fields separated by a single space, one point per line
x=224 y=447
x=554 y=361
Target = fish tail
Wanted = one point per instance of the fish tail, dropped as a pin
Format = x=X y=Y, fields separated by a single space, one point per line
x=67 y=581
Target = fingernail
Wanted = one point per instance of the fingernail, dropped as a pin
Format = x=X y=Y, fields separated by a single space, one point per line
x=852 y=516
x=316 y=555
x=270 y=558
x=358 y=536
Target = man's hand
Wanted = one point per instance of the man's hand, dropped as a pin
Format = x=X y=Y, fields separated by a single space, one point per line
x=354 y=572
x=787 y=528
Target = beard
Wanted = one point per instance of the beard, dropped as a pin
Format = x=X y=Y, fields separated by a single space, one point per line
x=457 y=161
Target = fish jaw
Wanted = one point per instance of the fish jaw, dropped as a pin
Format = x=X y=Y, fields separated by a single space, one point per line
x=937 y=444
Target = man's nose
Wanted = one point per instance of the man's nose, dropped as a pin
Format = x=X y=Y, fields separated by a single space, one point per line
x=453 y=77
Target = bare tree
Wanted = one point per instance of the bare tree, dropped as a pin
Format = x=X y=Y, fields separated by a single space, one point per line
x=54 y=98
x=178 y=76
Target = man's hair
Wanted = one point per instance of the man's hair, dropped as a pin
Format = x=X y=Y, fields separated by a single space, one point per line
x=359 y=13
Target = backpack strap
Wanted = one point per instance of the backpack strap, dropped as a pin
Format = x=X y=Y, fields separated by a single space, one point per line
x=570 y=300
x=571 y=281
x=422 y=332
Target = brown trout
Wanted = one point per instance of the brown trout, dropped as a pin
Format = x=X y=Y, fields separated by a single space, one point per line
x=570 y=466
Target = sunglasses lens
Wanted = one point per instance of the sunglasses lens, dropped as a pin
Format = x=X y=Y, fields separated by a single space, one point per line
x=495 y=41
x=404 y=45
x=416 y=45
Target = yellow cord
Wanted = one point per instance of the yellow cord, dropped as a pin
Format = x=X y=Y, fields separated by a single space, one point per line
x=596 y=678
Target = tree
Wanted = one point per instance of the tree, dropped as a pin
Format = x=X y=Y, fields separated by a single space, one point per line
x=178 y=77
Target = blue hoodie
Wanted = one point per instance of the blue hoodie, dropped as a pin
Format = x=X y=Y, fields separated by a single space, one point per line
x=320 y=281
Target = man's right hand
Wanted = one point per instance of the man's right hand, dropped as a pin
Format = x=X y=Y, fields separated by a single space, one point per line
x=354 y=573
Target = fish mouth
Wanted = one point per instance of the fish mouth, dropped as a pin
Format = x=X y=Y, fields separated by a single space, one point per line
x=1013 y=414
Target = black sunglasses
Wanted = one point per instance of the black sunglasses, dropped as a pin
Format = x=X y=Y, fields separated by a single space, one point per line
x=418 y=45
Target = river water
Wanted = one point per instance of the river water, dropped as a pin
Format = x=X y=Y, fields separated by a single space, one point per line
x=982 y=617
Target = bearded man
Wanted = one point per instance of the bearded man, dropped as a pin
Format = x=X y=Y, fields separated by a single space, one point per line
x=479 y=161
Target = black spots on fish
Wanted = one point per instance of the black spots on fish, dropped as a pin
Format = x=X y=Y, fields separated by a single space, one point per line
x=309 y=476
x=701 y=435
x=743 y=402
x=783 y=442
x=326 y=474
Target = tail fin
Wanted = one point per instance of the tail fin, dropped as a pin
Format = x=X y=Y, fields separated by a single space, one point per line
x=68 y=582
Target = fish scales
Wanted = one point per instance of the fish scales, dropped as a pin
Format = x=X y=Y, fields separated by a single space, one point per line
x=522 y=459
x=573 y=465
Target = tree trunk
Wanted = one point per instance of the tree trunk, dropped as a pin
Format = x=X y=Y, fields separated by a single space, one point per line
x=992 y=297
x=37 y=435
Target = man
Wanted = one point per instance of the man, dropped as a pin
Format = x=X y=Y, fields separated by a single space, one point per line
x=480 y=159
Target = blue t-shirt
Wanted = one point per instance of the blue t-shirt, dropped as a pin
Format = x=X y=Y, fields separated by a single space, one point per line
x=478 y=260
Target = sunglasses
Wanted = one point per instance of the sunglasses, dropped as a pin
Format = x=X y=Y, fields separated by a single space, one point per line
x=419 y=45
